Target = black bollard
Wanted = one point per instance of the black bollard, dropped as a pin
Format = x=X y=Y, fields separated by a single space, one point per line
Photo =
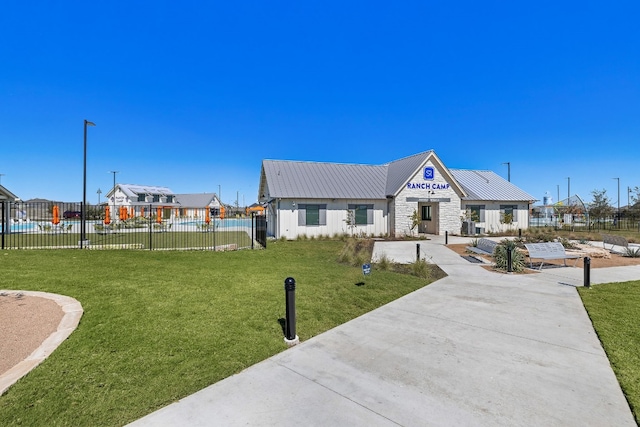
x=519 y=232
x=417 y=252
x=587 y=272
x=509 y=264
x=290 y=300
x=446 y=237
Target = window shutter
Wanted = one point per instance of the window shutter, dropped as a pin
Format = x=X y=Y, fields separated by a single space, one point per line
x=322 y=210
x=369 y=214
x=302 y=214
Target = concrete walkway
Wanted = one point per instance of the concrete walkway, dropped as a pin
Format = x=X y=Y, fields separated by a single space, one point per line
x=473 y=349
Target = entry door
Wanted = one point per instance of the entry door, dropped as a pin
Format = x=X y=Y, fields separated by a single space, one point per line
x=429 y=218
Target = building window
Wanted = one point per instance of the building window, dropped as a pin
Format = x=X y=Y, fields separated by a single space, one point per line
x=156 y=197
x=362 y=214
x=476 y=213
x=169 y=199
x=508 y=213
x=312 y=214
x=426 y=213
x=141 y=197
x=215 y=212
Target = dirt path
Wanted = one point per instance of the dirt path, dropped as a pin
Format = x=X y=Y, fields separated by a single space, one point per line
x=25 y=322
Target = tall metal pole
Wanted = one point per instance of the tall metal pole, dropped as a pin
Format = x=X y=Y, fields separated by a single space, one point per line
x=114 y=192
x=618 y=214
x=568 y=189
x=508 y=170
x=83 y=218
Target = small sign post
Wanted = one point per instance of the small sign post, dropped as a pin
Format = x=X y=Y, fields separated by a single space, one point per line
x=366 y=269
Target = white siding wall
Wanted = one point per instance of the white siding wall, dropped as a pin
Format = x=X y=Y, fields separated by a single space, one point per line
x=492 y=222
x=287 y=218
x=449 y=212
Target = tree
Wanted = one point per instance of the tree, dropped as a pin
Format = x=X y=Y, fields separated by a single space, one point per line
x=351 y=220
x=600 y=207
x=415 y=220
x=634 y=203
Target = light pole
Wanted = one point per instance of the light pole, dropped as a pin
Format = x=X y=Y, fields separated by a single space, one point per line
x=114 y=191
x=508 y=170
x=99 y=193
x=83 y=217
x=568 y=189
x=618 y=214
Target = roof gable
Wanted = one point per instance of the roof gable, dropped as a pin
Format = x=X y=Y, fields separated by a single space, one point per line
x=403 y=170
x=5 y=194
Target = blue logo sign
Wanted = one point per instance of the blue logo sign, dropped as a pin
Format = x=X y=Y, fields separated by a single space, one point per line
x=366 y=269
x=429 y=173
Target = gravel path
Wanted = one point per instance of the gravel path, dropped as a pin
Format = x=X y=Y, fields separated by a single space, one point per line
x=25 y=322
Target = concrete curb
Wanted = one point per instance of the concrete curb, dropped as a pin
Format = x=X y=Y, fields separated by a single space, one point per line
x=72 y=313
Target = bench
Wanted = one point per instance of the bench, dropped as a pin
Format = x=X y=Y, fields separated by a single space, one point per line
x=549 y=250
x=484 y=247
x=610 y=239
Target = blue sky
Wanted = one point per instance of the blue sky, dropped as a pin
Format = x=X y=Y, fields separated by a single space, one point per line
x=193 y=96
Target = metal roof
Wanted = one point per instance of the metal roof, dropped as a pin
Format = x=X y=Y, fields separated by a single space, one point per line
x=132 y=190
x=5 y=194
x=400 y=171
x=288 y=179
x=487 y=185
x=296 y=179
x=197 y=200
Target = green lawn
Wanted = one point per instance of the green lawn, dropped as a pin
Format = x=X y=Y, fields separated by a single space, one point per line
x=614 y=309
x=161 y=325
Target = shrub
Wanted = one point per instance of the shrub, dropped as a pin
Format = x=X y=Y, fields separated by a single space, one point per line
x=421 y=269
x=566 y=242
x=356 y=252
x=383 y=263
x=631 y=252
x=517 y=258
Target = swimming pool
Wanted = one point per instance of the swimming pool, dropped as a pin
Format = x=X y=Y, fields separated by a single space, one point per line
x=21 y=227
x=221 y=223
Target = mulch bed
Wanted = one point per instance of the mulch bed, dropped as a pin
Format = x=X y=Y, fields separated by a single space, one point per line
x=614 y=261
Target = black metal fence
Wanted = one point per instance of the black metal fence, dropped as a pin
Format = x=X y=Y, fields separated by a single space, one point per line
x=610 y=223
x=53 y=225
x=260 y=222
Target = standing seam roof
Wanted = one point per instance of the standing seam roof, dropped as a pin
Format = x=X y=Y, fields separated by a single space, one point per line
x=487 y=185
x=324 y=180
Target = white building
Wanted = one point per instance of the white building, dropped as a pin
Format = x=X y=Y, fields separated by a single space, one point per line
x=146 y=200
x=325 y=199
